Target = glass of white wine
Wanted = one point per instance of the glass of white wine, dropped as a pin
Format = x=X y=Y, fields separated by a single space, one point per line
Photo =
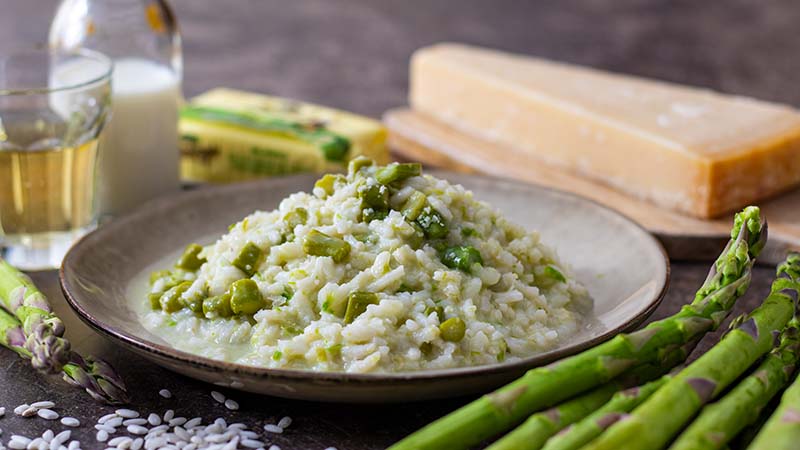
x=53 y=107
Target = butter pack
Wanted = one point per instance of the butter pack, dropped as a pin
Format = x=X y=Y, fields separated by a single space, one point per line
x=229 y=135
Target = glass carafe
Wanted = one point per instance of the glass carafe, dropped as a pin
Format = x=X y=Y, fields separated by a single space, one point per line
x=138 y=155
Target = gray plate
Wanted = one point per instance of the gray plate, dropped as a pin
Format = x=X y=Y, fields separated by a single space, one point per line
x=624 y=268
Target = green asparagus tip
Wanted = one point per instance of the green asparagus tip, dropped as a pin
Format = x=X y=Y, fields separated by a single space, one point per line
x=750 y=217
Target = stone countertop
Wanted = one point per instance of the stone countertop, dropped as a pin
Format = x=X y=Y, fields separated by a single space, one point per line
x=353 y=54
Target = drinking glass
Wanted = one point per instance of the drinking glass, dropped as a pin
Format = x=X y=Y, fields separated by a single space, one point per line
x=52 y=110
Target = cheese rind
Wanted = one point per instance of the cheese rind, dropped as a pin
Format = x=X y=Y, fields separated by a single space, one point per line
x=688 y=149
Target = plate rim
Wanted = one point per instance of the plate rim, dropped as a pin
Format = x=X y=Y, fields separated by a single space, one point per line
x=202 y=362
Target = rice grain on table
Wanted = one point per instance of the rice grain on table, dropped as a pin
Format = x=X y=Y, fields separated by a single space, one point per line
x=43 y=404
x=106 y=418
x=114 y=422
x=47 y=414
x=191 y=423
x=137 y=421
x=127 y=413
x=154 y=419
x=169 y=415
x=285 y=422
x=165 y=393
x=105 y=427
x=218 y=396
x=62 y=437
x=177 y=421
x=231 y=404
x=70 y=422
x=137 y=429
x=511 y=304
x=270 y=428
x=102 y=436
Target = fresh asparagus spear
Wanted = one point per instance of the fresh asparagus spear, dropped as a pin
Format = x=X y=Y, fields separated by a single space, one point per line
x=654 y=423
x=745 y=437
x=546 y=386
x=720 y=422
x=583 y=432
x=782 y=429
x=96 y=377
x=540 y=427
x=43 y=329
x=535 y=431
x=11 y=335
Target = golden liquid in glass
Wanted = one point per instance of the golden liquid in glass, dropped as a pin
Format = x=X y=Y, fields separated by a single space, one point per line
x=45 y=188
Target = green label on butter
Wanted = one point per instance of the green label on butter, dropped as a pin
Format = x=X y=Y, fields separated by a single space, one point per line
x=333 y=146
x=261 y=161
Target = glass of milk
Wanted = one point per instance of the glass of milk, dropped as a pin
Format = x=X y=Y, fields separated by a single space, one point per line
x=138 y=152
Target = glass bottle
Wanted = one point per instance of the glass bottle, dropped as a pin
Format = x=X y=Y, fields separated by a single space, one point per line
x=138 y=156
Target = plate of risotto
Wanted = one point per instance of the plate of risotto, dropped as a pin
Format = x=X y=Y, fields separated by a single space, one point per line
x=380 y=284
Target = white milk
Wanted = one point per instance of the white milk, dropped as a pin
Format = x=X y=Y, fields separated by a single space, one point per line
x=139 y=149
x=138 y=153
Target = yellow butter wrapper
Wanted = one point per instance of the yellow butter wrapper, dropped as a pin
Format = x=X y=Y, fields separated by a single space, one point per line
x=229 y=135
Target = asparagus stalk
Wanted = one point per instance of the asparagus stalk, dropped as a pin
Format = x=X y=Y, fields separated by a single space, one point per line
x=720 y=422
x=97 y=378
x=43 y=329
x=583 y=432
x=94 y=376
x=545 y=386
x=654 y=423
x=540 y=427
x=11 y=335
x=745 y=437
x=782 y=430
x=535 y=431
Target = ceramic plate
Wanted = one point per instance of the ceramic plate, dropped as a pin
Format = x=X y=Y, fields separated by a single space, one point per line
x=624 y=268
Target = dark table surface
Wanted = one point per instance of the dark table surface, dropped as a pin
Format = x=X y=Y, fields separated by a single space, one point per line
x=353 y=54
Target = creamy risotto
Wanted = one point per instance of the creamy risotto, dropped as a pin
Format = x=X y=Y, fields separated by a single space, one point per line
x=380 y=270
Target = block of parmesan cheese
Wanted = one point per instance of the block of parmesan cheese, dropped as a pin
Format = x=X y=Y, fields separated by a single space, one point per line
x=688 y=149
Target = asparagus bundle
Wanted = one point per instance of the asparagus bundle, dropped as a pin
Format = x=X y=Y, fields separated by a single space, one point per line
x=720 y=422
x=655 y=422
x=535 y=431
x=94 y=376
x=43 y=329
x=546 y=386
x=583 y=432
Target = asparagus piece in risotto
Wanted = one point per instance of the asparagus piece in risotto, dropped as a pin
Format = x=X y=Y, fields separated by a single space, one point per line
x=542 y=387
x=655 y=423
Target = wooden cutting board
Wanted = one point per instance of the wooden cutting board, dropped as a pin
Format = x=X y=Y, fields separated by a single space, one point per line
x=418 y=137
